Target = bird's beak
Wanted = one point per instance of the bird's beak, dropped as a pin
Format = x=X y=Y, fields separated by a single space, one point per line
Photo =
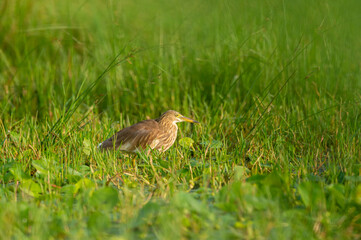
x=183 y=118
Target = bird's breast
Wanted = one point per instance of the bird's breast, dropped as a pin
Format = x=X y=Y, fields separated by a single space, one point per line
x=165 y=140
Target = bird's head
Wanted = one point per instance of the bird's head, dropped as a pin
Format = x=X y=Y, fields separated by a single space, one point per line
x=174 y=117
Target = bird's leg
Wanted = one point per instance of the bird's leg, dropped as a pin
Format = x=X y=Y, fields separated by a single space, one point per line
x=151 y=161
x=134 y=163
x=148 y=152
x=153 y=168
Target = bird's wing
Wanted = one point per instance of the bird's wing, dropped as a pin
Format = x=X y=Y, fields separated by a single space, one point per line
x=136 y=136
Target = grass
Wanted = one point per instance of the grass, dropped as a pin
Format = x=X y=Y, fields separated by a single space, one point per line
x=275 y=85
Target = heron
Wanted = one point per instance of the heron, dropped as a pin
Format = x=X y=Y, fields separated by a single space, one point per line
x=159 y=134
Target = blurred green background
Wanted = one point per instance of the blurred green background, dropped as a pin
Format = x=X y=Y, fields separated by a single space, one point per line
x=186 y=55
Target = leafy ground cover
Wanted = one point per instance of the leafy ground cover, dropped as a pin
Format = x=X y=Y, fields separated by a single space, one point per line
x=275 y=85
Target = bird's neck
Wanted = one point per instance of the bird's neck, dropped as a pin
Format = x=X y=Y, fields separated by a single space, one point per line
x=168 y=125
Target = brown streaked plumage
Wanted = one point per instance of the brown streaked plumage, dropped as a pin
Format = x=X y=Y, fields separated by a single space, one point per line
x=157 y=133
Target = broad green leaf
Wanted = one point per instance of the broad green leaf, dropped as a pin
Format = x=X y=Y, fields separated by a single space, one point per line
x=72 y=171
x=84 y=168
x=240 y=173
x=147 y=212
x=187 y=201
x=68 y=189
x=40 y=167
x=98 y=222
x=18 y=173
x=106 y=197
x=239 y=195
x=358 y=194
x=257 y=178
x=305 y=194
x=84 y=184
x=6 y=193
x=5 y=173
x=312 y=194
x=337 y=193
x=274 y=179
x=30 y=187
x=73 y=175
x=186 y=142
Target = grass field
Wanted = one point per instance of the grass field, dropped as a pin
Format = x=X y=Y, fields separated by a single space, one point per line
x=276 y=87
